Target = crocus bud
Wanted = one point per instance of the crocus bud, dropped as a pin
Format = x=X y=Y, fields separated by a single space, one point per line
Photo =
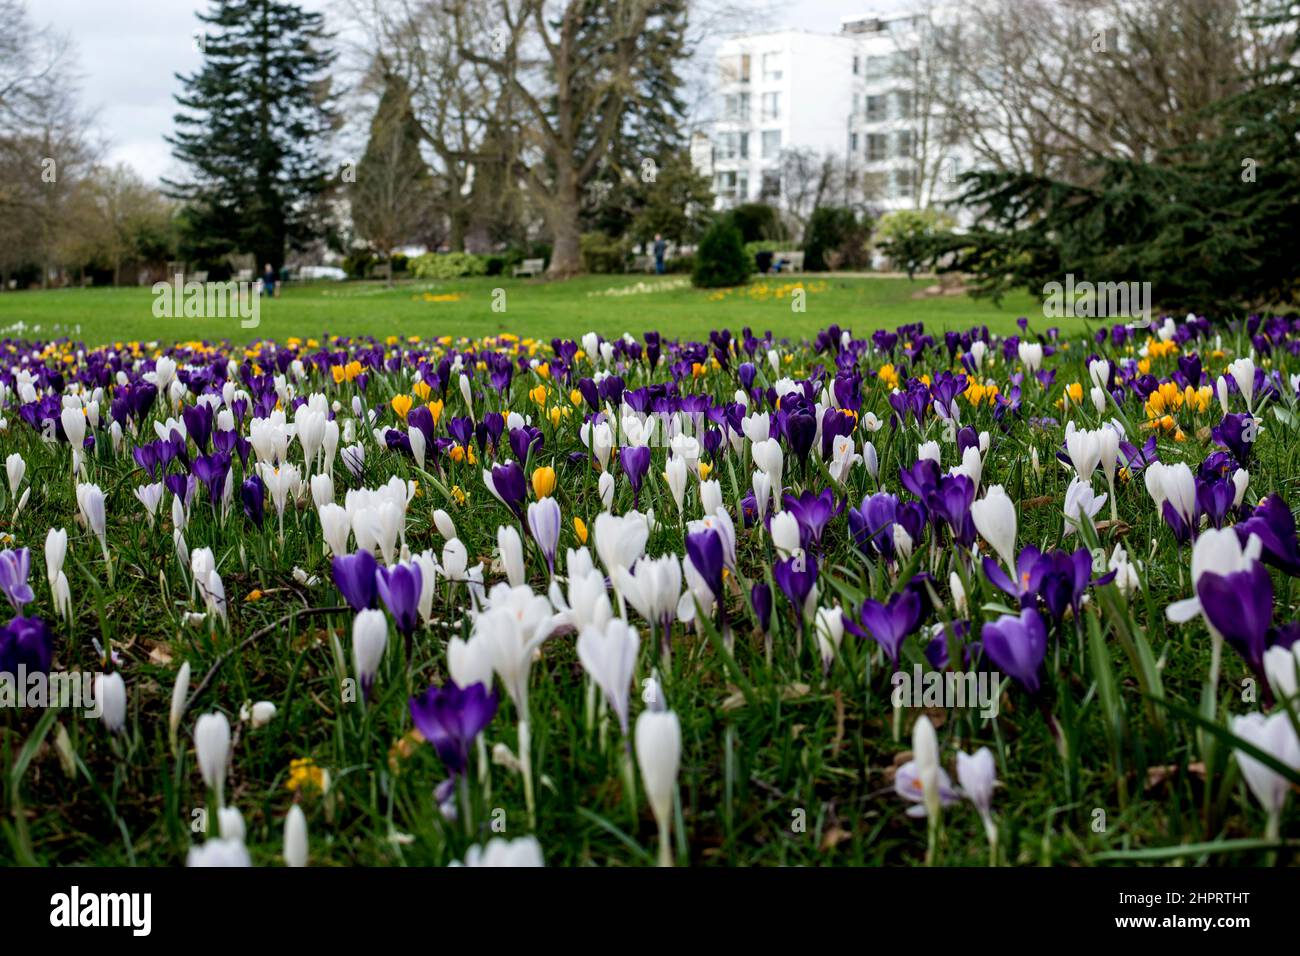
x=110 y=693
x=658 y=752
x=230 y=824
x=442 y=521
x=295 y=837
x=212 y=745
x=369 y=638
x=180 y=691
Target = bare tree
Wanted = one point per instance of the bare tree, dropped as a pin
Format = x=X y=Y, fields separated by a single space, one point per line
x=1043 y=86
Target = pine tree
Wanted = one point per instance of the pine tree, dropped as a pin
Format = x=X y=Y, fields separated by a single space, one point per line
x=256 y=118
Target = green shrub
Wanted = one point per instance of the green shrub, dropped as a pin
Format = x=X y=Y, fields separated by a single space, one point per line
x=720 y=260
x=447 y=265
x=680 y=265
x=357 y=264
x=604 y=254
x=835 y=239
x=905 y=235
x=757 y=221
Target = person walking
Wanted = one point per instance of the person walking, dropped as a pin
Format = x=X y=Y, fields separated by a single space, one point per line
x=268 y=281
x=661 y=247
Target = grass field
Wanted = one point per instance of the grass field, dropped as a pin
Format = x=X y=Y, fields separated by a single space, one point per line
x=537 y=308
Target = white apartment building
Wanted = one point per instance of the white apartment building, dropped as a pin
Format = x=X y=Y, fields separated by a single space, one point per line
x=849 y=95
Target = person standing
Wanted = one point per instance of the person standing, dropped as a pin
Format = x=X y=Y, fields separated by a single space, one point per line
x=661 y=247
x=268 y=281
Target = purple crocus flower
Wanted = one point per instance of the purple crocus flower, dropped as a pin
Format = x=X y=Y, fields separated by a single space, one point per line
x=14 y=569
x=950 y=501
x=1240 y=606
x=450 y=717
x=872 y=525
x=1060 y=578
x=890 y=623
x=506 y=482
x=636 y=462
x=1237 y=433
x=252 y=493
x=795 y=576
x=1019 y=588
x=198 y=424
x=708 y=557
x=399 y=586
x=26 y=642
x=354 y=575
x=1017 y=646
x=212 y=470
x=813 y=512
x=1274 y=525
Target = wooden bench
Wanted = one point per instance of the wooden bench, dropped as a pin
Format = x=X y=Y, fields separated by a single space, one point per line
x=643 y=264
x=200 y=277
x=788 y=261
x=530 y=268
x=244 y=275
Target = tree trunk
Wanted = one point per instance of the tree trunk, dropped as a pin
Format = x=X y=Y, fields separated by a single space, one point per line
x=566 y=232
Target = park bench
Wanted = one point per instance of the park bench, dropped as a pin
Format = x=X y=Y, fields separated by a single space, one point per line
x=643 y=264
x=789 y=261
x=244 y=275
x=199 y=277
x=530 y=268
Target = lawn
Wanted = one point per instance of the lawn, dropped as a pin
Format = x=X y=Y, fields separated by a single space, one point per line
x=538 y=308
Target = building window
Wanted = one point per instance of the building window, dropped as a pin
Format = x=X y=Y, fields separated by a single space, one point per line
x=771 y=106
x=857 y=64
x=771 y=143
x=853 y=142
x=877 y=67
x=772 y=72
x=877 y=148
x=903 y=181
x=731 y=185
x=877 y=109
x=733 y=146
x=735 y=69
x=735 y=107
x=905 y=144
x=904 y=103
x=771 y=184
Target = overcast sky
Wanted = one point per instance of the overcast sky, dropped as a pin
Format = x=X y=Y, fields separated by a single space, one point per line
x=129 y=52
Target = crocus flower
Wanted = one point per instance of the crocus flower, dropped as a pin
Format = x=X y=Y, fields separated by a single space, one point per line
x=252 y=495
x=14 y=569
x=1017 y=646
x=609 y=655
x=658 y=752
x=796 y=577
x=522 y=851
x=977 y=775
x=888 y=624
x=544 y=520
x=369 y=639
x=921 y=780
x=295 y=837
x=26 y=642
x=995 y=519
x=212 y=746
x=110 y=695
x=1239 y=605
x=354 y=575
x=636 y=462
x=812 y=512
x=506 y=483
x=1276 y=736
x=705 y=552
x=450 y=717
x=399 y=587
